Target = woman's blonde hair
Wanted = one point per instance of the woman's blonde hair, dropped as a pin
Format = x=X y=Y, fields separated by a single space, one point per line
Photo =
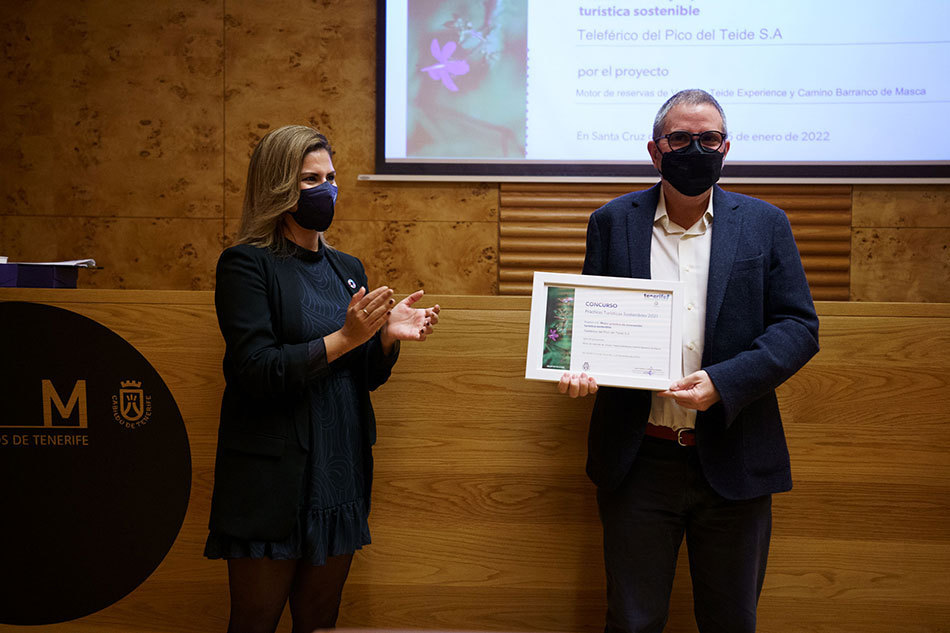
x=273 y=183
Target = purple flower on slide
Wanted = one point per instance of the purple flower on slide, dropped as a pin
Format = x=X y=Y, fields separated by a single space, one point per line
x=446 y=66
x=553 y=335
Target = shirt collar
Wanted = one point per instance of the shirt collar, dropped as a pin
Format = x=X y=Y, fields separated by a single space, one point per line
x=662 y=219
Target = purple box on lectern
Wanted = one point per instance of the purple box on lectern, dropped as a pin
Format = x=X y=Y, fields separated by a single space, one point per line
x=37 y=276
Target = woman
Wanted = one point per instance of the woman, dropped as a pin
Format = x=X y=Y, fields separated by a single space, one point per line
x=305 y=344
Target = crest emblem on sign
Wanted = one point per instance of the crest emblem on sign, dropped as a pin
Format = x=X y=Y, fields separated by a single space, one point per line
x=131 y=401
x=131 y=407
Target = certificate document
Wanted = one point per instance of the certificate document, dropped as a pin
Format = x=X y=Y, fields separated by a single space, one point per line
x=624 y=332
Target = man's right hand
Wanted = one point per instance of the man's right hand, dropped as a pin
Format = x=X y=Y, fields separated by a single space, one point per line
x=576 y=385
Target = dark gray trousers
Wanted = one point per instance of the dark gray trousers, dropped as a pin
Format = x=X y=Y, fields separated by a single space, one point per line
x=665 y=496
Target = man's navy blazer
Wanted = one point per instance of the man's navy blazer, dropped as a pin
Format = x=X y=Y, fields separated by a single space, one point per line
x=761 y=328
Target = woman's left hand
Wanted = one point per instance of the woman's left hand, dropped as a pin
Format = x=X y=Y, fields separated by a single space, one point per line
x=406 y=323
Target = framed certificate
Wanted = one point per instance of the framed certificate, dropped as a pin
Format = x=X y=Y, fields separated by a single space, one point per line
x=624 y=332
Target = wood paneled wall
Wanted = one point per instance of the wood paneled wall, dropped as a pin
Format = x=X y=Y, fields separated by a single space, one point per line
x=125 y=132
x=900 y=240
x=483 y=518
x=543 y=227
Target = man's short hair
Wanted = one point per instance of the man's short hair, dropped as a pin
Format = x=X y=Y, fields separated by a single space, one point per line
x=685 y=97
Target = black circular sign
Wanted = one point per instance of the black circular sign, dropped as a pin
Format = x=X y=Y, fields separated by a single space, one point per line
x=95 y=465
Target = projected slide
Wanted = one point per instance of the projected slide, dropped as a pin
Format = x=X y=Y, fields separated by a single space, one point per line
x=574 y=81
x=465 y=79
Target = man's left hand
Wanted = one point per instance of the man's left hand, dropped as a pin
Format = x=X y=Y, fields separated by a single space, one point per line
x=695 y=391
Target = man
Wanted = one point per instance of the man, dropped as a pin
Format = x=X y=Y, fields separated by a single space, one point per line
x=703 y=457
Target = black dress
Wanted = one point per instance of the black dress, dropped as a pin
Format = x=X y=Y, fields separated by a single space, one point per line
x=334 y=503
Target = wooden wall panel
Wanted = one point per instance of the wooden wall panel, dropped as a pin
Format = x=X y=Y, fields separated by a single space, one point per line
x=543 y=227
x=483 y=518
x=904 y=206
x=866 y=519
x=900 y=243
x=112 y=118
x=158 y=253
x=408 y=255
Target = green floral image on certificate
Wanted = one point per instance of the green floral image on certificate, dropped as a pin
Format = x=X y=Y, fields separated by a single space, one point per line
x=559 y=323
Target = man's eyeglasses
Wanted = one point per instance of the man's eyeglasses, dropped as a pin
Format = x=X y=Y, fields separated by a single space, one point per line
x=709 y=141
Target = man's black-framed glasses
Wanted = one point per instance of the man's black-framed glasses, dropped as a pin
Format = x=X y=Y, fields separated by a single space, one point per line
x=709 y=141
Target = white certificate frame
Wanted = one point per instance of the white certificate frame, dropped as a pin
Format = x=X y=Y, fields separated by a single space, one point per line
x=601 y=338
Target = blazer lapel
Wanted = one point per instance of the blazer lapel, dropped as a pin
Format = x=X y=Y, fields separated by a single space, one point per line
x=288 y=297
x=640 y=232
x=725 y=240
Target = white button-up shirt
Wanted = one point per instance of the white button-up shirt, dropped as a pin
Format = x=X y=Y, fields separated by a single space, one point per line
x=678 y=254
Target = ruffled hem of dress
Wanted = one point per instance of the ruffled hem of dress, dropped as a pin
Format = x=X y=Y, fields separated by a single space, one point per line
x=320 y=532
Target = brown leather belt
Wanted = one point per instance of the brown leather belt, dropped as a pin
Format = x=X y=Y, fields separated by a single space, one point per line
x=683 y=437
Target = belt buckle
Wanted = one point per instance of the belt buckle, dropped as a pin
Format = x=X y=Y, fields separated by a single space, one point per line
x=679 y=436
